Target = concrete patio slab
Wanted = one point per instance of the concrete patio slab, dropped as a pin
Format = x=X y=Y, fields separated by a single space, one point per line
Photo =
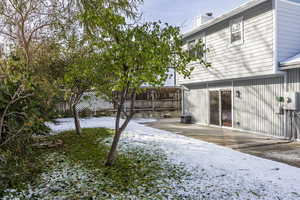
x=258 y=145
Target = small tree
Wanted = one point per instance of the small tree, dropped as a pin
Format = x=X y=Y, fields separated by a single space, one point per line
x=78 y=79
x=81 y=55
x=134 y=55
x=141 y=55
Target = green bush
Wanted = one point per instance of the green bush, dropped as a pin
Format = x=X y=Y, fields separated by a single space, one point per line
x=23 y=111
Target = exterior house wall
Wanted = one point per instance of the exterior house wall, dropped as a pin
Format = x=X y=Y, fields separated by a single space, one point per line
x=293 y=85
x=196 y=104
x=293 y=80
x=255 y=110
x=270 y=36
x=253 y=58
x=288 y=17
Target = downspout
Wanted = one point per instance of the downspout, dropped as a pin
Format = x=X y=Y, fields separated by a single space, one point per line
x=175 y=77
x=182 y=100
x=286 y=113
x=297 y=136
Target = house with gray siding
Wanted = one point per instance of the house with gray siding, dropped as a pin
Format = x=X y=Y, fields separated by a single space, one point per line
x=253 y=51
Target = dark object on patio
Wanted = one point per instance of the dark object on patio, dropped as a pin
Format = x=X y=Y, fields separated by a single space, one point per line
x=186 y=119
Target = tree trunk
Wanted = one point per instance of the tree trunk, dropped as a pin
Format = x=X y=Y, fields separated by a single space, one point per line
x=118 y=130
x=113 y=150
x=76 y=120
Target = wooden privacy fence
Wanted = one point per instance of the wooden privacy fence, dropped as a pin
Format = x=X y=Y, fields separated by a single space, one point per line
x=158 y=99
x=151 y=99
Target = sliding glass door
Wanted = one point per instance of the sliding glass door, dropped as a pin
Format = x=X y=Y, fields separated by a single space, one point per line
x=220 y=107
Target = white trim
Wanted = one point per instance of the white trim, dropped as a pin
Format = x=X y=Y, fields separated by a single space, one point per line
x=290 y=64
x=290 y=67
x=285 y=89
x=232 y=104
x=226 y=88
x=235 y=11
x=182 y=100
x=195 y=83
x=276 y=64
x=275 y=37
x=220 y=107
x=208 y=102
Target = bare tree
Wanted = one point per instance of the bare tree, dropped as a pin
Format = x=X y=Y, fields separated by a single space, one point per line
x=26 y=22
x=32 y=30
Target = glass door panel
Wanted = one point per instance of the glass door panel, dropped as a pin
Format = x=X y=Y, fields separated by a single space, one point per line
x=226 y=108
x=214 y=99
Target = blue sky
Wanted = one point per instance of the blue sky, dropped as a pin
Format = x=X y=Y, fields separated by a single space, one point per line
x=182 y=12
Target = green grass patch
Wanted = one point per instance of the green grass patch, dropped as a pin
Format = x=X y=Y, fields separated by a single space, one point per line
x=19 y=169
x=139 y=172
x=85 y=148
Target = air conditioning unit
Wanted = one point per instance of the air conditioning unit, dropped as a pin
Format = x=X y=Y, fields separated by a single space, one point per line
x=292 y=101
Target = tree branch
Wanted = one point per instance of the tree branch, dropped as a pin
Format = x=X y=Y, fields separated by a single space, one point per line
x=15 y=135
x=132 y=112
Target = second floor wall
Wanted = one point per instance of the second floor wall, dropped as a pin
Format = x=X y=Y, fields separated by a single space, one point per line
x=253 y=56
x=288 y=28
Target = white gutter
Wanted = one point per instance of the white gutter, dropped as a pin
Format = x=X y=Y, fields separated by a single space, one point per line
x=291 y=63
x=240 y=9
x=290 y=66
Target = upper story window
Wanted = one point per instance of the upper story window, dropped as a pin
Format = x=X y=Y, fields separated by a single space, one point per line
x=202 y=54
x=197 y=52
x=191 y=47
x=236 y=27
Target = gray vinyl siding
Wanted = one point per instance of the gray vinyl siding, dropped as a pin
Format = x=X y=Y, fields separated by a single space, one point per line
x=196 y=104
x=288 y=16
x=253 y=58
x=293 y=85
x=255 y=110
x=293 y=80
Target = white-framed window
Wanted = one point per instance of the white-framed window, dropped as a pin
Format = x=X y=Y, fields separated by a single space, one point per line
x=236 y=31
x=203 y=40
x=192 y=44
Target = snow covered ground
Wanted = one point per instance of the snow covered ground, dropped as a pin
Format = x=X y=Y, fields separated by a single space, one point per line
x=217 y=172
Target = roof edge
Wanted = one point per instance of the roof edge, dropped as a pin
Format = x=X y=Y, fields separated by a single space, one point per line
x=283 y=65
x=235 y=11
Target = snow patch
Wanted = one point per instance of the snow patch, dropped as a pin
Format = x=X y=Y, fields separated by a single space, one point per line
x=220 y=172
